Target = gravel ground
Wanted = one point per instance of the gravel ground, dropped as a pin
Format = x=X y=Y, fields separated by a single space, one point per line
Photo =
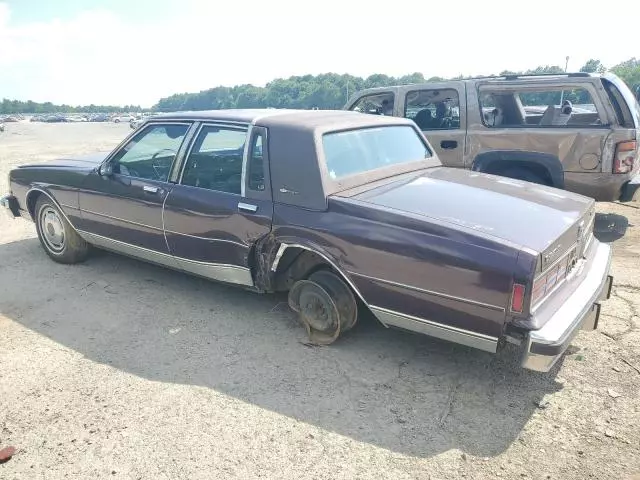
x=118 y=369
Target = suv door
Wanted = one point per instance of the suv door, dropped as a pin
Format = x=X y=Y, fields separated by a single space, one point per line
x=121 y=203
x=439 y=110
x=222 y=203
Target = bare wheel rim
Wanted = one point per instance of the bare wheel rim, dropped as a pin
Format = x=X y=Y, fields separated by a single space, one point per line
x=52 y=229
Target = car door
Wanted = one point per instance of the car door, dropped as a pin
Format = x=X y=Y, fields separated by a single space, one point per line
x=439 y=110
x=222 y=203
x=121 y=203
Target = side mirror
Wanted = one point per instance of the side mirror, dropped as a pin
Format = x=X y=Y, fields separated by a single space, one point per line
x=105 y=170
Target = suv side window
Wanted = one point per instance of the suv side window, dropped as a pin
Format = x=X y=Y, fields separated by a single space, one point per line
x=150 y=153
x=376 y=104
x=215 y=160
x=554 y=107
x=433 y=109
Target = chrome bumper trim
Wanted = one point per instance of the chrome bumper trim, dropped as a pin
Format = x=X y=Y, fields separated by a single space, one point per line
x=581 y=311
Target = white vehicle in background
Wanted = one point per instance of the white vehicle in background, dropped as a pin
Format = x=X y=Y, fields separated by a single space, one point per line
x=122 y=118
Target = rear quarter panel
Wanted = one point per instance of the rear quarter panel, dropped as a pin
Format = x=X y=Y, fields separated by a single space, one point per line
x=421 y=269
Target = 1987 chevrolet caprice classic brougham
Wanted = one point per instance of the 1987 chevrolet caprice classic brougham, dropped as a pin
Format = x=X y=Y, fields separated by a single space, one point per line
x=346 y=212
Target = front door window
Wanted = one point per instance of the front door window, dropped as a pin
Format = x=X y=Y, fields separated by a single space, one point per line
x=150 y=153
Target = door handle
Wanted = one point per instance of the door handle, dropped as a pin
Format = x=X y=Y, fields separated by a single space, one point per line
x=150 y=188
x=247 y=207
x=448 y=144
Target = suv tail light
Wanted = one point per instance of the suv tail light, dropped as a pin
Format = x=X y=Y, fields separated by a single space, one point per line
x=517 y=297
x=624 y=157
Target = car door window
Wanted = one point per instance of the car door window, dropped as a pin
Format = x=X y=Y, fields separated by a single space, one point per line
x=256 y=164
x=434 y=109
x=377 y=104
x=150 y=153
x=215 y=161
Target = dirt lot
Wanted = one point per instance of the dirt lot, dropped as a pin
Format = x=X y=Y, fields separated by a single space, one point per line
x=119 y=369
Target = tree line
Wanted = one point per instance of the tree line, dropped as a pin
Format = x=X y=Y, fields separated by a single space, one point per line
x=325 y=91
x=16 y=106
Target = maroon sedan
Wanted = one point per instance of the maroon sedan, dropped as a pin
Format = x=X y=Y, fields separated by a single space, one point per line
x=344 y=211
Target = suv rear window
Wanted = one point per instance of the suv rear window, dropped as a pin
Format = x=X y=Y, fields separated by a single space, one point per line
x=547 y=106
x=366 y=149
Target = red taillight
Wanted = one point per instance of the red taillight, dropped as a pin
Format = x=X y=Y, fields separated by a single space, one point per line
x=625 y=156
x=517 y=298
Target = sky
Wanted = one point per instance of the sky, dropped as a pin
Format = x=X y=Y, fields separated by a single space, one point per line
x=121 y=52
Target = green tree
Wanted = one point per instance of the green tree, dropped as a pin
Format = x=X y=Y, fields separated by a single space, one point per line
x=593 y=66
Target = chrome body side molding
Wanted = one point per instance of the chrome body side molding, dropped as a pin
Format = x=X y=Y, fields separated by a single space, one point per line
x=212 y=271
x=434 y=329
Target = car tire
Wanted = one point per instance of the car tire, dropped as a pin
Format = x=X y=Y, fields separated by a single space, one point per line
x=525 y=174
x=58 y=238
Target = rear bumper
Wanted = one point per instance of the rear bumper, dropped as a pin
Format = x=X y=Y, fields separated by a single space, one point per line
x=580 y=311
x=631 y=190
x=9 y=204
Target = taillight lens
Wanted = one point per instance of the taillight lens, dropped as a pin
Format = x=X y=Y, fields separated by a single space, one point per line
x=625 y=156
x=517 y=298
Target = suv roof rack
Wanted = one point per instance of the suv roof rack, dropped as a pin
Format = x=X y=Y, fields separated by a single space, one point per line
x=529 y=75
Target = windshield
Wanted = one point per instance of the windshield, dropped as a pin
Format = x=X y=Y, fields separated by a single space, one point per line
x=358 y=151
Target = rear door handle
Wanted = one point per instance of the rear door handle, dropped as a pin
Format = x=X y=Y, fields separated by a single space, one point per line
x=448 y=144
x=150 y=188
x=247 y=207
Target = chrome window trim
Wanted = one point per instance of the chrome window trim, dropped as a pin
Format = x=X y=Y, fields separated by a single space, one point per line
x=135 y=132
x=176 y=167
x=435 y=329
x=264 y=133
x=215 y=123
x=432 y=292
x=214 y=271
x=245 y=158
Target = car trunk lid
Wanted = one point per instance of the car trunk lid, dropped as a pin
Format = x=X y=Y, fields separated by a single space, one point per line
x=544 y=219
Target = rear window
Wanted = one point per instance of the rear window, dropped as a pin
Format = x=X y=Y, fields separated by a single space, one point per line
x=363 y=150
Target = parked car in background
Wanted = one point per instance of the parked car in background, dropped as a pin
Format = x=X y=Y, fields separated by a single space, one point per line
x=340 y=209
x=122 y=118
x=576 y=131
x=1 y=126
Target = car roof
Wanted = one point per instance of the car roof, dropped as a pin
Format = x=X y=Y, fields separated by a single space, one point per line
x=275 y=117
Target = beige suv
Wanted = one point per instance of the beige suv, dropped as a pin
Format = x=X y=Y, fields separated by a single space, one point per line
x=576 y=131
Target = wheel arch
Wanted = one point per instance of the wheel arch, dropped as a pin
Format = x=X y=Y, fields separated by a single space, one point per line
x=288 y=252
x=31 y=199
x=498 y=160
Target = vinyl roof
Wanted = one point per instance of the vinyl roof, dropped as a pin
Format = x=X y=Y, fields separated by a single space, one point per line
x=303 y=119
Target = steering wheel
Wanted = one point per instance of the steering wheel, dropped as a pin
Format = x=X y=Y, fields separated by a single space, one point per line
x=158 y=168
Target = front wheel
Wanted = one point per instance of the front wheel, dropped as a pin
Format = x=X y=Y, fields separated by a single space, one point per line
x=58 y=238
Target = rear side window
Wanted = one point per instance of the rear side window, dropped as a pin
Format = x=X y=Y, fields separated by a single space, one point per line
x=366 y=149
x=434 y=109
x=215 y=161
x=544 y=107
x=376 y=104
